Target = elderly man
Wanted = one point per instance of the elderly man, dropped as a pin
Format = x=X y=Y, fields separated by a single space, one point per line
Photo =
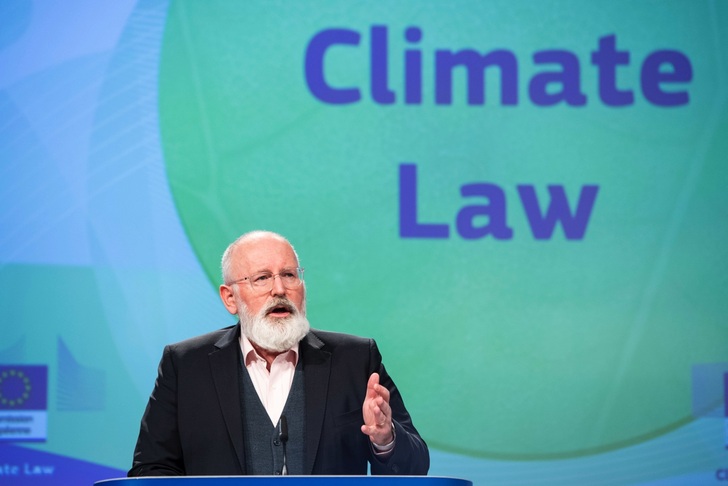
x=270 y=395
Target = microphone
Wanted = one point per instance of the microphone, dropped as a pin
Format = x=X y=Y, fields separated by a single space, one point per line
x=282 y=429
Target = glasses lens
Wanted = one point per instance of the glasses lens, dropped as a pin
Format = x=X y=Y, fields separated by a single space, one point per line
x=290 y=278
x=260 y=280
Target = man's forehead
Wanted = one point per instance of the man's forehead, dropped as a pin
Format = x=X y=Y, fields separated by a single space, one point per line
x=265 y=252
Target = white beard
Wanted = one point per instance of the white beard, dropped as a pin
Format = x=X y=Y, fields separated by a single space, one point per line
x=272 y=333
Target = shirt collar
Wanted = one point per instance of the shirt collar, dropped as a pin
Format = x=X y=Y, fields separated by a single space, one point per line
x=250 y=354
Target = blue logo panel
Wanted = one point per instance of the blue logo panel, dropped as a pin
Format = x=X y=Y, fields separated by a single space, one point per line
x=23 y=403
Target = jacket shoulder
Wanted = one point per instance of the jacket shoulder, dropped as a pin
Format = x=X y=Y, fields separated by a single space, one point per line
x=205 y=342
x=338 y=339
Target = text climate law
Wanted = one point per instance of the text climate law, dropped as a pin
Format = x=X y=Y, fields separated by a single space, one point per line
x=664 y=79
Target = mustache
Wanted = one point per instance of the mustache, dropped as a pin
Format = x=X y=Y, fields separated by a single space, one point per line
x=279 y=304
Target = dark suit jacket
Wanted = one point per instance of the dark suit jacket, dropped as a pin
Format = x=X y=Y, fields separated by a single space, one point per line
x=193 y=423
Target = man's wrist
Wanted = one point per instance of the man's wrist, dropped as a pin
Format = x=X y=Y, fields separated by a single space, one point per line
x=386 y=448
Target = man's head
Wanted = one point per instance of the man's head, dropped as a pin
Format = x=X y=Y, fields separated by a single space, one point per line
x=262 y=284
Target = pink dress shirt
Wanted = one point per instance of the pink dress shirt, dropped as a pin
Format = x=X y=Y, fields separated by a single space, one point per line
x=272 y=387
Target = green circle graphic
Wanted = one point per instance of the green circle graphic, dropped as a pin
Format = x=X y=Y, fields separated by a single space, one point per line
x=518 y=348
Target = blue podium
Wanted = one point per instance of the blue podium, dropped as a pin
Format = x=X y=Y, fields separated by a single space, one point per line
x=286 y=481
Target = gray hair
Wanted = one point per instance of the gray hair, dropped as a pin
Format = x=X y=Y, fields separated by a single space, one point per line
x=227 y=256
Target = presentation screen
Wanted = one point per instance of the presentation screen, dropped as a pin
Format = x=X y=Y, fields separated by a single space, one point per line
x=524 y=203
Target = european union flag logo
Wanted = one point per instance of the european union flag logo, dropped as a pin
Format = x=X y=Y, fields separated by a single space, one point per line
x=24 y=387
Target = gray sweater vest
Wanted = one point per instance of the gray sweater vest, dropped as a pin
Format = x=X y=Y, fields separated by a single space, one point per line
x=263 y=451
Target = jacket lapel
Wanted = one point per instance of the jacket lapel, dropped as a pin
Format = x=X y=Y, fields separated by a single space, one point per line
x=225 y=364
x=316 y=370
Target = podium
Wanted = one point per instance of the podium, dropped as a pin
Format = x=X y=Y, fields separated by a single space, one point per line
x=286 y=481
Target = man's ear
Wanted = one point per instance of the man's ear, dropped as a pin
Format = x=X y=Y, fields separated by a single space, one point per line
x=228 y=299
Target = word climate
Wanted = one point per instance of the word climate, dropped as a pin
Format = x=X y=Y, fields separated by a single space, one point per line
x=557 y=79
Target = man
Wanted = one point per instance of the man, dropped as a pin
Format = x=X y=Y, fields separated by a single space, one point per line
x=269 y=395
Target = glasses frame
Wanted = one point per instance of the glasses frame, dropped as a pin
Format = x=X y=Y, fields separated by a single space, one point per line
x=268 y=288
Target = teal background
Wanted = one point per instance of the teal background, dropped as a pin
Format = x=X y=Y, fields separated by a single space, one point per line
x=138 y=139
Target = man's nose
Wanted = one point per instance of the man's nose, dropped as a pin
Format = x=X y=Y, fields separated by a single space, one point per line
x=278 y=288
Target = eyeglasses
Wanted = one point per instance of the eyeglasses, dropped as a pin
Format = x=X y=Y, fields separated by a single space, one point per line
x=291 y=278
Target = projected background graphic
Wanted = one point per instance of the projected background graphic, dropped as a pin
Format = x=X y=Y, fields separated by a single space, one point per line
x=524 y=204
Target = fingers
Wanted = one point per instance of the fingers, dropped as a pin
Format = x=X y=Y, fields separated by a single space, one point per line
x=372 y=384
x=380 y=413
x=377 y=412
x=378 y=421
x=383 y=393
x=375 y=390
